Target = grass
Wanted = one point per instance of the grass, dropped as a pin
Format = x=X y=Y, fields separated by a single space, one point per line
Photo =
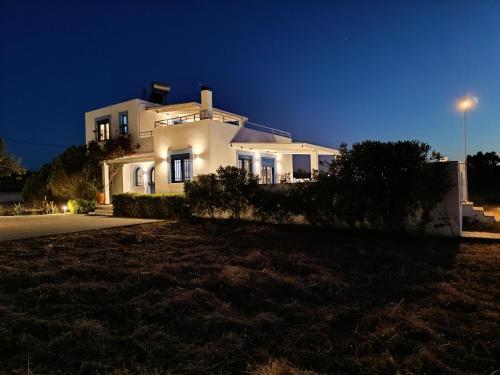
x=221 y=298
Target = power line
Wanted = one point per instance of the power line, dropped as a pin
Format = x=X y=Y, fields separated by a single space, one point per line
x=34 y=143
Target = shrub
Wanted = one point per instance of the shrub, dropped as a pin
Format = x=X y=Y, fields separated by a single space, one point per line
x=274 y=203
x=155 y=206
x=49 y=207
x=81 y=206
x=18 y=209
x=204 y=194
x=382 y=184
x=237 y=188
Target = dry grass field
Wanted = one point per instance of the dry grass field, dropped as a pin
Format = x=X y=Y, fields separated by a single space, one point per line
x=225 y=298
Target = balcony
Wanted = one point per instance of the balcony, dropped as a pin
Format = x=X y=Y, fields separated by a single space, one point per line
x=227 y=119
x=202 y=115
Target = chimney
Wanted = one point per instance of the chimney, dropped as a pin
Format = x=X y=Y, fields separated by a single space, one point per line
x=206 y=99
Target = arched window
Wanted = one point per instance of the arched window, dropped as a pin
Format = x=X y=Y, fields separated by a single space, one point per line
x=138 y=173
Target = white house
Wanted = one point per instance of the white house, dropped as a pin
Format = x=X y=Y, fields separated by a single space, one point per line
x=180 y=141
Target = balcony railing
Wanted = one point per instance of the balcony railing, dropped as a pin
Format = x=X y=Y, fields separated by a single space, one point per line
x=146 y=134
x=267 y=129
x=204 y=115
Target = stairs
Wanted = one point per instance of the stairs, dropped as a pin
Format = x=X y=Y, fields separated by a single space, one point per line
x=478 y=213
x=102 y=210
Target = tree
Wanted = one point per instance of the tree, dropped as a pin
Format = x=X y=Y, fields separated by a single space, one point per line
x=204 y=194
x=384 y=184
x=237 y=188
x=9 y=164
x=76 y=173
x=115 y=148
x=483 y=172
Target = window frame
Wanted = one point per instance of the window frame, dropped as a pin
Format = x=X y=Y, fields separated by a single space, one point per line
x=267 y=160
x=186 y=169
x=242 y=158
x=136 y=177
x=123 y=126
x=103 y=121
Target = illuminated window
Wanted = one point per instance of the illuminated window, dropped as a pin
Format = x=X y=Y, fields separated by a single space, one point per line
x=124 y=122
x=267 y=171
x=138 y=177
x=245 y=163
x=102 y=130
x=180 y=167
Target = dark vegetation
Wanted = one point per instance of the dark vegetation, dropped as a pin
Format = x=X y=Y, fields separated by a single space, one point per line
x=214 y=297
x=14 y=182
x=76 y=173
x=483 y=171
x=151 y=206
x=9 y=164
x=372 y=185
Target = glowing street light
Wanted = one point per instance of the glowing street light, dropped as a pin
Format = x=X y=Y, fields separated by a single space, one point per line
x=464 y=105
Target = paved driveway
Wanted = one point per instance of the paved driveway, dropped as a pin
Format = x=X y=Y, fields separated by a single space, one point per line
x=18 y=227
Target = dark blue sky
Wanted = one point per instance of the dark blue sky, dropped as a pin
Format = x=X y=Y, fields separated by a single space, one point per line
x=330 y=72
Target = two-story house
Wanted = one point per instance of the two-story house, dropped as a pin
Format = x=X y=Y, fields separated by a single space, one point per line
x=183 y=140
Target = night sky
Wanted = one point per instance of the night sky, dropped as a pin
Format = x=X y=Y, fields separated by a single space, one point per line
x=328 y=72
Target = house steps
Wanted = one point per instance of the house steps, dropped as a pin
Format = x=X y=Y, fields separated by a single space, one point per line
x=478 y=213
x=102 y=210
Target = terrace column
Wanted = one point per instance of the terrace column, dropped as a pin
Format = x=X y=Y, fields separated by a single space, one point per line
x=105 y=182
x=314 y=162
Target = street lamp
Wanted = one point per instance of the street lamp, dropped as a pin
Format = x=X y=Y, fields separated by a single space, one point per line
x=466 y=104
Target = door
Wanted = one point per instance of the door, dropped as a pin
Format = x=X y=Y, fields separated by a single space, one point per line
x=267 y=170
x=151 y=181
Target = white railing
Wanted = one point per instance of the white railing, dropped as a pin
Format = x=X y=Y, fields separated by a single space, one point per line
x=202 y=115
x=267 y=129
x=146 y=134
x=232 y=120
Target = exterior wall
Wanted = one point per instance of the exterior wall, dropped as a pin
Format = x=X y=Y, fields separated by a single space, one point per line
x=127 y=177
x=447 y=217
x=136 y=112
x=194 y=138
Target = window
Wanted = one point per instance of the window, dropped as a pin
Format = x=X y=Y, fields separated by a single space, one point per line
x=245 y=163
x=102 y=129
x=180 y=165
x=123 y=122
x=267 y=170
x=138 y=177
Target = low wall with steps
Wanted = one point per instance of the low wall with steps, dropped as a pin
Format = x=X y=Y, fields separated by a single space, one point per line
x=478 y=214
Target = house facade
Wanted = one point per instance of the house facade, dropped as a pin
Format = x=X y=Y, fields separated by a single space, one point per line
x=179 y=141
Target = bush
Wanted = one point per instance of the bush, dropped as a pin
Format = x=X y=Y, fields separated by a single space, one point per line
x=381 y=184
x=275 y=203
x=204 y=194
x=155 y=206
x=18 y=209
x=81 y=206
x=237 y=188
x=230 y=190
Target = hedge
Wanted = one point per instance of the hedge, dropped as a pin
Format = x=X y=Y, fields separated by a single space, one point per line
x=153 y=206
x=81 y=206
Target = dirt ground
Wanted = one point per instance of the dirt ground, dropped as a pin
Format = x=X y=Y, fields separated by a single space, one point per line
x=225 y=298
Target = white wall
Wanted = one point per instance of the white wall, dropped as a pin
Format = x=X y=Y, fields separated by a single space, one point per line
x=135 y=117
x=187 y=137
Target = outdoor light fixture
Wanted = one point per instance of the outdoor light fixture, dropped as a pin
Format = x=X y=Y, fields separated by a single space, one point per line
x=65 y=209
x=464 y=105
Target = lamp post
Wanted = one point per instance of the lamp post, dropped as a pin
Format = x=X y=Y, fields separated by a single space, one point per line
x=464 y=105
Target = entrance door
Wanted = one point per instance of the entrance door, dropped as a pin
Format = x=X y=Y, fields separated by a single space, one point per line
x=267 y=170
x=151 y=181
